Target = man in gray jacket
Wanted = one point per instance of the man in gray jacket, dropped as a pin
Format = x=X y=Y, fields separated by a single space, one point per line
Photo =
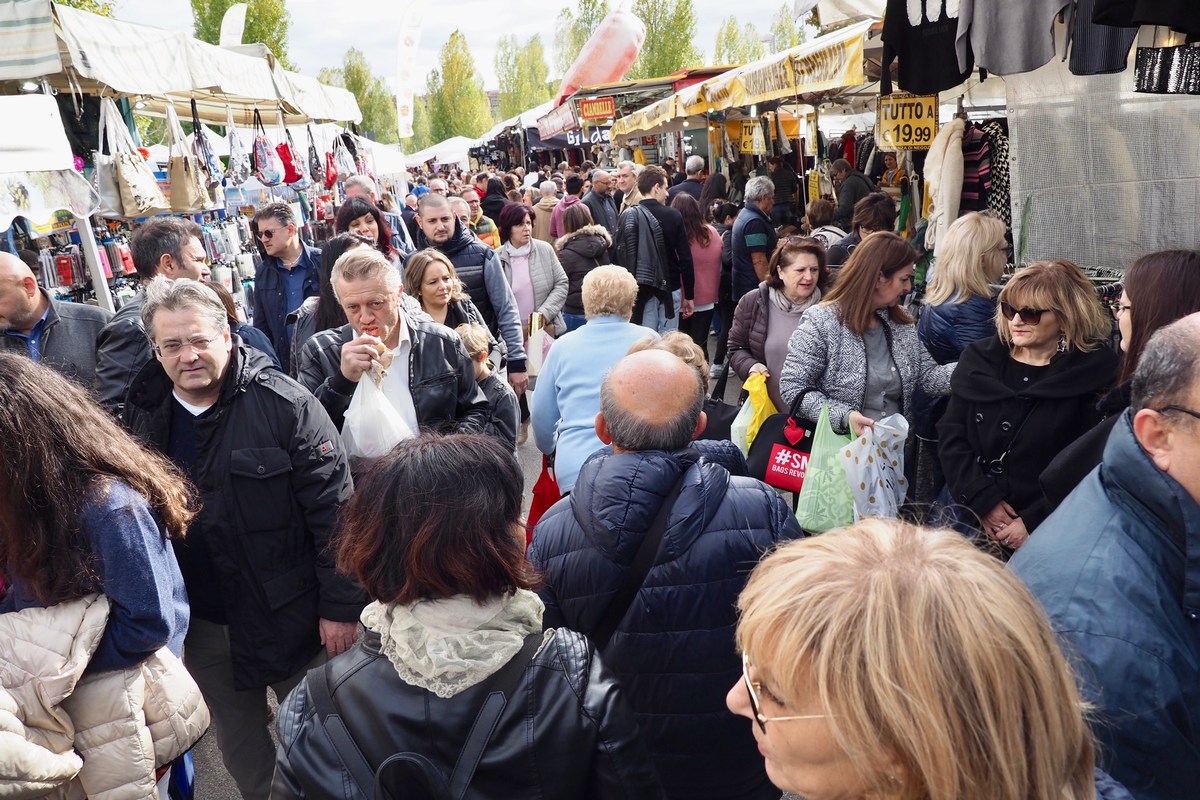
x=60 y=335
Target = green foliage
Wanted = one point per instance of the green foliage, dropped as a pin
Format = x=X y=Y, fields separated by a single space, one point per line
x=374 y=98
x=573 y=28
x=422 y=137
x=267 y=23
x=738 y=44
x=785 y=30
x=456 y=102
x=522 y=71
x=670 y=37
x=101 y=7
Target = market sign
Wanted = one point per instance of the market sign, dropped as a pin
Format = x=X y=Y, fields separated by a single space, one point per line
x=559 y=120
x=906 y=122
x=597 y=108
x=596 y=134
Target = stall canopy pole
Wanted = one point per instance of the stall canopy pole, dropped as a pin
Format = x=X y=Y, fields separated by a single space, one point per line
x=91 y=254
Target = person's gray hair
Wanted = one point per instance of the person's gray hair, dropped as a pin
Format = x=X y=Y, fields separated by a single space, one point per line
x=630 y=431
x=1169 y=366
x=627 y=164
x=694 y=165
x=599 y=173
x=278 y=211
x=458 y=205
x=609 y=290
x=839 y=166
x=164 y=294
x=759 y=188
x=547 y=188
x=361 y=264
x=362 y=182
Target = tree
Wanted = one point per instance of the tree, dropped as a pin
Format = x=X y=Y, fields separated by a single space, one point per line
x=455 y=98
x=375 y=100
x=572 y=29
x=738 y=44
x=785 y=30
x=267 y=22
x=523 y=75
x=670 y=37
x=101 y=7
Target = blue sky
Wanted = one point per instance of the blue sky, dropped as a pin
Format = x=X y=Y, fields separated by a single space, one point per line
x=322 y=31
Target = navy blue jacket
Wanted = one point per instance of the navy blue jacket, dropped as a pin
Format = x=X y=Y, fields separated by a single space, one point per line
x=674 y=651
x=946 y=330
x=1117 y=569
x=270 y=299
x=753 y=232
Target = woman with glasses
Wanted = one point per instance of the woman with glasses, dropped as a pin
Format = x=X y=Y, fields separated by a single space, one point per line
x=1158 y=289
x=1020 y=397
x=890 y=661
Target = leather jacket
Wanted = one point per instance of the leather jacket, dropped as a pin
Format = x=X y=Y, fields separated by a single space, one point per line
x=441 y=377
x=571 y=735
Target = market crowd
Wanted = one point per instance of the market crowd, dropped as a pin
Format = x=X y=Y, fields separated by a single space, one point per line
x=192 y=514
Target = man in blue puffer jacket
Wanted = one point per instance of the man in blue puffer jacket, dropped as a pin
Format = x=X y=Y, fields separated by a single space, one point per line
x=674 y=648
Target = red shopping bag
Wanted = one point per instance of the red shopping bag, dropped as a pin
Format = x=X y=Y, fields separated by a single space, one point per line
x=545 y=494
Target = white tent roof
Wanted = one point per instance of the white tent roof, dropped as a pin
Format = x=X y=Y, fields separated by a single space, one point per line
x=452 y=151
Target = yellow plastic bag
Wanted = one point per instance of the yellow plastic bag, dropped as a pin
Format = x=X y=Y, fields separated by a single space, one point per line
x=760 y=401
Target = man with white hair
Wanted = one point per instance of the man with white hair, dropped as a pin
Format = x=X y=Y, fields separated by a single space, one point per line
x=364 y=187
x=753 y=238
x=627 y=195
x=543 y=210
x=693 y=184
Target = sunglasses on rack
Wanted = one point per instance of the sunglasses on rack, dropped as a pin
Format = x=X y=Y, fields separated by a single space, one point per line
x=1031 y=316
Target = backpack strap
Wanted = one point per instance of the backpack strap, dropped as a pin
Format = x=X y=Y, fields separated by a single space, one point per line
x=618 y=607
x=361 y=774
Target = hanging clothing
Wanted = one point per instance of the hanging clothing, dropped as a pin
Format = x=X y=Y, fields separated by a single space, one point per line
x=944 y=180
x=1097 y=49
x=999 y=198
x=1181 y=15
x=922 y=34
x=977 y=171
x=1007 y=36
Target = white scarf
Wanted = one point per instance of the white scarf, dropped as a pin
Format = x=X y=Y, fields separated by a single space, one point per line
x=520 y=252
x=784 y=303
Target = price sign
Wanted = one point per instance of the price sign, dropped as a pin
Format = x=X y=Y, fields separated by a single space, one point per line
x=906 y=122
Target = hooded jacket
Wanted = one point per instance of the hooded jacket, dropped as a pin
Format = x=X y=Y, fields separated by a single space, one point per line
x=483 y=280
x=543 y=210
x=674 y=650
x=271 y=475
x=556 y=216
x=1117 y=570
x=579 y=253
x=984 y=415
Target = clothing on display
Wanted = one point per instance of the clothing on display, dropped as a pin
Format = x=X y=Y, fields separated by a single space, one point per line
x=923 y=34
x=1097 y=49
x=1168 y=70
x=1180 y=15
x=1007 y=37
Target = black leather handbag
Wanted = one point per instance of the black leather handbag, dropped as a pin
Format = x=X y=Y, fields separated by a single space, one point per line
x=779 y=453
x=721 y=414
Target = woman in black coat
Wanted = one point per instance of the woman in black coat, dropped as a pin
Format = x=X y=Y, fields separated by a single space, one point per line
x=494 y=200
x=1022 y=396
x=582 y=248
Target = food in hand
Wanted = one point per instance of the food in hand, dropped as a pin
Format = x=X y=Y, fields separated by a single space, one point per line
x=379 y=367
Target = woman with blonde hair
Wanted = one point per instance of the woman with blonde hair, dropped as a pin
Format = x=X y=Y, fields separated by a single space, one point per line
x=887 y=660
x=430 y=278
x=1022 y=396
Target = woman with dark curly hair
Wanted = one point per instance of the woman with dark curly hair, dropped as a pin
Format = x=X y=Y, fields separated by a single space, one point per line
x=361 y=216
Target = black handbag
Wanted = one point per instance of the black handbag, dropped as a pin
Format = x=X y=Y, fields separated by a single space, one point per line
x=721 y=414
x=779 y=453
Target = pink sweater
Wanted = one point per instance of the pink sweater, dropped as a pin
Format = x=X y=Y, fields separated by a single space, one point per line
x=706 y=263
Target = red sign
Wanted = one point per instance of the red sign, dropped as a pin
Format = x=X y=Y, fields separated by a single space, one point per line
x=597 y=108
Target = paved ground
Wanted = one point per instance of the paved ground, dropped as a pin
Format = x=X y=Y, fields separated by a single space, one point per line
x=214 y=783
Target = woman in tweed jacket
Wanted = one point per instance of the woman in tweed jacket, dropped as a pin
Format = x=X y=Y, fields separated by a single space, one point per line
x=858 y=350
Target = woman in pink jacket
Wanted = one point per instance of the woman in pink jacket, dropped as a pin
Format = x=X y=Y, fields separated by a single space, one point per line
x=705 y=243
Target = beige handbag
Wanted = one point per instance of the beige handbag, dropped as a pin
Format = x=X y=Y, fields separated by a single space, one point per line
x=189 y=192
x=141 y=196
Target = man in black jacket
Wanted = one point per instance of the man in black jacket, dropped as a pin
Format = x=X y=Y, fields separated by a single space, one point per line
x=266 y=601
x=652 y=243
x=167 y=246
x=852 y=186
x=430 y=380
x=693 y=183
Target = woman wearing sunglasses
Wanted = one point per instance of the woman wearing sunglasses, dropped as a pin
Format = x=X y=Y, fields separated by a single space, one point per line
x=890 y=661
x=1019 y=398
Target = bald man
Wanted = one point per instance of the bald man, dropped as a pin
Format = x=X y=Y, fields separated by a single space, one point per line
x=672 y=646
x=58 y=334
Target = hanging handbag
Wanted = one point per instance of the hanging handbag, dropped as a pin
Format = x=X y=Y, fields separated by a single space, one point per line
x=720 y=414
x=293 y=170
x=104 y=173
x=331 y=170
x=779 y=454
x=203 y=150
x=141 y=196
x=240 y=169
x=344 y=159
x=188 y=190
x=267 y=167
x=316 y=166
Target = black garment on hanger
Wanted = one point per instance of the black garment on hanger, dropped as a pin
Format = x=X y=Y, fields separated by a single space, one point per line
x=925 y=47
x=1097 y=49
x=1181 y=15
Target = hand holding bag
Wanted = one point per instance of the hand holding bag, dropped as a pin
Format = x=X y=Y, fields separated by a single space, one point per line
x=826 y=501
x=188 y=190
x=372 y=424
x=267 y=167
x=874 y=465
x=760 y=401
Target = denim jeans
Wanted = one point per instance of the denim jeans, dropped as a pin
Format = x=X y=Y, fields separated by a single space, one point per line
x=574 y=320
x=655 y=314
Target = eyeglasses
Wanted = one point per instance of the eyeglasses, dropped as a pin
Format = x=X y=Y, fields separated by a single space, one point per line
x=1032 y=316
x=1181 y=410
x=175 y=349
x=266 y=234
x=753 y=688
x=1120 y=308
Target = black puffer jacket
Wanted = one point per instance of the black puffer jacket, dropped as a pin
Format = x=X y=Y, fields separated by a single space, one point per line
x=674 y=650
x=271 y=475
x=579 y=253
x=441 y=377
x=984 y=414
x=570 y=735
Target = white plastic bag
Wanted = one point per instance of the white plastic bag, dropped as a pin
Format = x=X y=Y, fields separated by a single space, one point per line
x=874 y=464
x=373 y=426
x=739 y=429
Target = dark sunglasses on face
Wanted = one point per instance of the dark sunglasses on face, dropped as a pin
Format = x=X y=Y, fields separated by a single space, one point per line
x=1031 y=316
x=266 y=234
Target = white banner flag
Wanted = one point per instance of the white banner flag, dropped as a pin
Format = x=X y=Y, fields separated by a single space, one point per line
x=412 y=16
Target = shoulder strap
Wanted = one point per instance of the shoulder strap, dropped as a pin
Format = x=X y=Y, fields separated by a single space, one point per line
x=361 y=774
x=642 y=562
x=503 y=686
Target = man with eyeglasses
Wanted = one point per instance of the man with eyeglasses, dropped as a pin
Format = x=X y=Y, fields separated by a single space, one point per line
x=288 y=275
x=167 y=246
x=1117 y=569
x=671 y=642
x=270 y=473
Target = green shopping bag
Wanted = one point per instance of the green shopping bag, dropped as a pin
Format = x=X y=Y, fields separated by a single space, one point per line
x=826 y=501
